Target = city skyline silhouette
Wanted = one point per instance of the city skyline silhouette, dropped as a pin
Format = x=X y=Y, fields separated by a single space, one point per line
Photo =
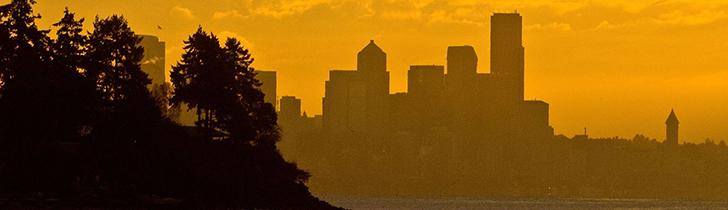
x=566 y=51
x=518 y=113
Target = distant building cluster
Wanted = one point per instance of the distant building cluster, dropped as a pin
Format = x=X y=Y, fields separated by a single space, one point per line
x=455 y=98
x=452 y=98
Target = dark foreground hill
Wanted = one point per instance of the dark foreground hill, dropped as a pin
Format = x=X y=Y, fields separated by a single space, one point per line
x=80 y=128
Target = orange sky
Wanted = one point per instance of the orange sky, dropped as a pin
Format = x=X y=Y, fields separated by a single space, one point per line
x=616 y=67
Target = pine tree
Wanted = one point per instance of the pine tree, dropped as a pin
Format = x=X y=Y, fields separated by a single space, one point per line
x=28 y=100
x=68 y=48
x=25 y=47
x=114 y=60
x=198 y=75
x=257 y=116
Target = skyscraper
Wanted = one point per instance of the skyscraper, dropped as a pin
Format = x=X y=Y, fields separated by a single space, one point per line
x=372 y=72
x=344 y=102
x=290 y=108
x=426 y=90
x=269 y=86
x=462 y=62
x=358 y=101
x=507 y=54
x=461 y=78
x=153 y=62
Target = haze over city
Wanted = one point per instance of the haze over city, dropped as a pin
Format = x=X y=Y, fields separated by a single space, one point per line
x=332 y=104
x=614 y=67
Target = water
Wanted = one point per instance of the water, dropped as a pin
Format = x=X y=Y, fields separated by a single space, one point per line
x=564 y=204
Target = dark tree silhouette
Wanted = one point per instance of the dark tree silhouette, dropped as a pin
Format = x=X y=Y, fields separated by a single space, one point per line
x=194 y=76
x=79 y=125
x=114 y=60
x=220 y=83
x=68 y=48
x=26 y=91
x=25 y=44
x=128 y=119
x=257 y=116
x=76 y=96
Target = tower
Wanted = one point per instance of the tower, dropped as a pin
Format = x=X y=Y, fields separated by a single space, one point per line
x=269 y=86
x=372 y=72
x=153 y=62
x=672 y=128
x=462 y=73
x=371 y=59
x=507 y=53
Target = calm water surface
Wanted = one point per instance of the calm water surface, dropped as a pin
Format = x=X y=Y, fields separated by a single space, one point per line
x=392 y=203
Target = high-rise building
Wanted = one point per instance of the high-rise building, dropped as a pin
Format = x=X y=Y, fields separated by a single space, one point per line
x=290 y=107
x=507 y=54
x=358 y=101
x=344 y=102
x=462 y=62
x=269 y=86
x=373 y=74
x=672 y=127
x=461 y=78
x=153 y=62
x=290 y=119
x=426 y=90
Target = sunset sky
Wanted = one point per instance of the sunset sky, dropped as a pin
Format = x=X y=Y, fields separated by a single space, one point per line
x=615 y=67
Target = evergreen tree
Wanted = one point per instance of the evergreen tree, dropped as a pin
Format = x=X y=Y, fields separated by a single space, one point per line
x=114 y=60
x=78 y=120
x=76 y=96
x=220 y=82
x=27 y=93
x=255 y=117
x=68 y=48
x=25 y=47
x=128 y=117
x=6 y=48
x=197 y=75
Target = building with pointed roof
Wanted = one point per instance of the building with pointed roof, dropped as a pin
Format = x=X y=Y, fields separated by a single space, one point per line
x=672 y=127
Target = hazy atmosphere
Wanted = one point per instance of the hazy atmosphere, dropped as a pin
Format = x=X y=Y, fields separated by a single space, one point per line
x=614 y=67
x=342 y=104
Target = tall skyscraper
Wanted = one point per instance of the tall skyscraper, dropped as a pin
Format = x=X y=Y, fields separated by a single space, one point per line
x=153 y=62
x=672 y=127
x=269 y=86
x=372 y=71
x=344 y=102
x=461 y=78
x=358 y=101
x=507 y=54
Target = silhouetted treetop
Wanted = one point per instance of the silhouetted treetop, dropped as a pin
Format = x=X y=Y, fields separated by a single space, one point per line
x=220 y=83
x=68 y=48
x=80 y=129
x=25 y=45
x=114 y=59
